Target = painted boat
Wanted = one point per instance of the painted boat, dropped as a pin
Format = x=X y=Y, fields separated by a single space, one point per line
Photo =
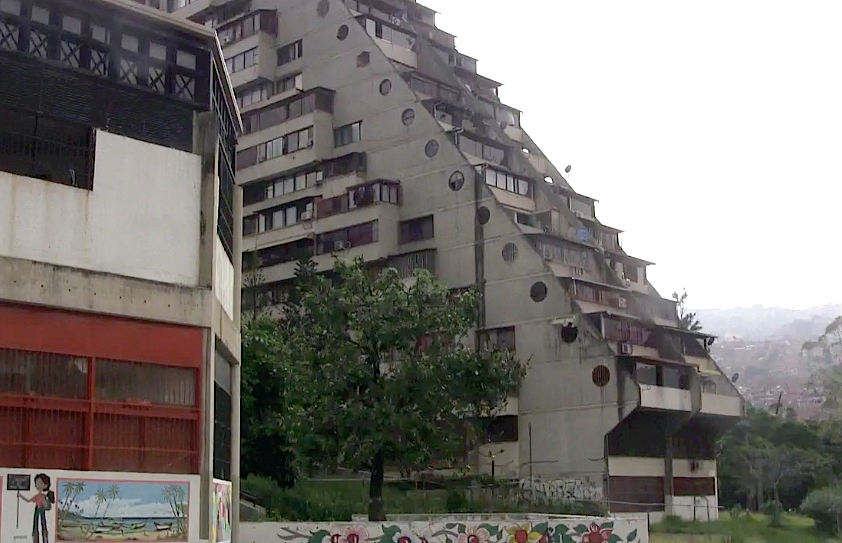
x=162 y=527
x=137 y=526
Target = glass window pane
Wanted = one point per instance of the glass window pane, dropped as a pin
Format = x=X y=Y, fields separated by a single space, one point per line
x=300 y=181
x=157 y=50
x=130 y=43
x=41 y=15
x=292 y=215
x=289 y=185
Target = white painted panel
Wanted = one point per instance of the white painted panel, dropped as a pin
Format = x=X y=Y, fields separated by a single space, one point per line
x=672 y=399
x=140 y=220
x=720 y=404
x=130 y=499
x=223 y=278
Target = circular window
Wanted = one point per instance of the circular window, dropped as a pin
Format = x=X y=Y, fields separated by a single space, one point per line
x=483 y=215
x=509 y=252
x=538 y=292
x=408 y=116
x=601 y=375
x=432 y=148
x=323 y=7
x=342 y=33
x=456 y=181
x=385 y=87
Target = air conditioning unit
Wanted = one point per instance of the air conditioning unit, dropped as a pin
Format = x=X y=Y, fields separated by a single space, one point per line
x=307 y=216
x=627 y=281
x=340 y=246
x=626 y=349
x=622 y=302
x=579 y=214
x=578 y=271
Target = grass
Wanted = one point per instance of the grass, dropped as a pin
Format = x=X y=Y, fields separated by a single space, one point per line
x=753 y=529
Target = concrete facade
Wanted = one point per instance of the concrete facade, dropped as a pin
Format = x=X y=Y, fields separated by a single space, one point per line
x=341 y=99
x=119 y=274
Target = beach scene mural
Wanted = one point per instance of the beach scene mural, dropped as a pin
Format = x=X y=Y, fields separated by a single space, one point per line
x=92 y=510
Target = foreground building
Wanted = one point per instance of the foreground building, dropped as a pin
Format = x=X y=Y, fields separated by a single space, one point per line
x=119 y=274
x=367 y=133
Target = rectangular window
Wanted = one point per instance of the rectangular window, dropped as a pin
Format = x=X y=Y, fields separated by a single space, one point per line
x=345 y=135
x=416 y=229
x=244 y=60
x=501 y=429
x=290 y=52
x=500 y=338
x=132 y=382
x=289 y=83
x=507 y=181
x=46 y=148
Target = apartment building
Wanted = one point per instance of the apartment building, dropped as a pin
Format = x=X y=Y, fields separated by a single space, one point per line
x=119 y=275
x=367 y=133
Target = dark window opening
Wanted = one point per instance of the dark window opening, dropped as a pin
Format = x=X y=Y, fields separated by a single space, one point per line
x=354 y=236
x=221 y=434
x=416 y=229
x=499 y=338
x=46 y=148
x=290 y=52
x=501 y=429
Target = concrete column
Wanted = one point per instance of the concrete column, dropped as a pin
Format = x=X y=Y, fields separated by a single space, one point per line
x=206 y=466
x=235 y=451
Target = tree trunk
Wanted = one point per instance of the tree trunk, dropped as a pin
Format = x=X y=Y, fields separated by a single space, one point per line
x=375 y=490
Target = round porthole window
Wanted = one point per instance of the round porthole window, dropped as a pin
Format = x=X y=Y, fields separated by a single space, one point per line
x=538 y=292
x=342 y=33
x=385 y=87
x=432 y=148
x=323 y=7
x=456 y=181
x=509 y=252
x=483 y=215
x=601 y=376
x=408 y=116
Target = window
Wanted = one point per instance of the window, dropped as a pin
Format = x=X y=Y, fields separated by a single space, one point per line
x=388 y=33
x=499 y=338
x=361 y=196
x=507 y=181
x=416 y=230
x=290 y=52
x=355 y=236
x=244 y=60
x=46 y=148
x=408 y=263
x=278 y=254
x=501 y=429
x=278 y=217
x=254 y=95
x=285 y=145
x=132 y=382
x=288 y=83
x=280 y=112
x=302 y=179
x=470 y=146
x=43 y=374
x=347 y=134
x=263 y=21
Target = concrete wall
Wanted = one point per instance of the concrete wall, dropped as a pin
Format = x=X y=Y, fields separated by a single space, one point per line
x=223 y=278
x=128 y=499
x=452 y=530
x=140 y=220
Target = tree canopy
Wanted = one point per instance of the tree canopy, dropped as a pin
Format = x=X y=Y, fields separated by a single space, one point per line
x=686 y=319
x=376 y=371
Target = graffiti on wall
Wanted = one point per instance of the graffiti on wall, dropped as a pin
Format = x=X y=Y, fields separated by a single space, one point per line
x=222 y=498
x=562 y=489
x=57 y=506
x=566 y=530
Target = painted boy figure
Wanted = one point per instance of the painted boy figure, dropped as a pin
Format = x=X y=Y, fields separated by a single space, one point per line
x=43 y=500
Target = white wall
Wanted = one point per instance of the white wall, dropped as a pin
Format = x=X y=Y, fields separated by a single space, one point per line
x=140 y=220
x=140 y=497
x=223 y=278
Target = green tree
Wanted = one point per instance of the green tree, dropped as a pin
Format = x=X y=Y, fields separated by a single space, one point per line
x=385 y=373
x=824 y=360
x=686 y=319
x=266 y=387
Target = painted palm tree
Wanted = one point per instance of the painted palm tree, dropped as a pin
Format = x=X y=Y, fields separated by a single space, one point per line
x=175 y=497
x=112 y=494
x=99 y=498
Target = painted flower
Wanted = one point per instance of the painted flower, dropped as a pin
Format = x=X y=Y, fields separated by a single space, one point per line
x=596 y=534
x=405 y=536
x=523 y=534
x=353 y=534
x=474 y=535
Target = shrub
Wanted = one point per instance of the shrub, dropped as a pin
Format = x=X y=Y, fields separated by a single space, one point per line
x=824 y=506
x=455 y=501
x=267 y=491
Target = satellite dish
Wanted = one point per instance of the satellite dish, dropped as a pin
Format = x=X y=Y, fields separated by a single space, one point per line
x=568 y=168
x=569 y=332
x=735 y=377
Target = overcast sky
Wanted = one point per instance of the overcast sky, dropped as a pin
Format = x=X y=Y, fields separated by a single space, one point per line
x=710 y=132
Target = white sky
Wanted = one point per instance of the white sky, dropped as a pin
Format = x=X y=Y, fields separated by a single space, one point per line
x=711 y=132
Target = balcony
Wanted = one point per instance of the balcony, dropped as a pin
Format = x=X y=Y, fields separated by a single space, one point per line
x=665 y=398
x=396 y=43
x=243 y=59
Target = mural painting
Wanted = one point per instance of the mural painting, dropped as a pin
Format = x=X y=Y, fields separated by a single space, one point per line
x=566 y=530
x=101 y=510
x=32 y=500
x=222 y=498
x=562 y=489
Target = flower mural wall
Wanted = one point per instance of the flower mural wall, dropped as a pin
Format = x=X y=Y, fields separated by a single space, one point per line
x=551 y=530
